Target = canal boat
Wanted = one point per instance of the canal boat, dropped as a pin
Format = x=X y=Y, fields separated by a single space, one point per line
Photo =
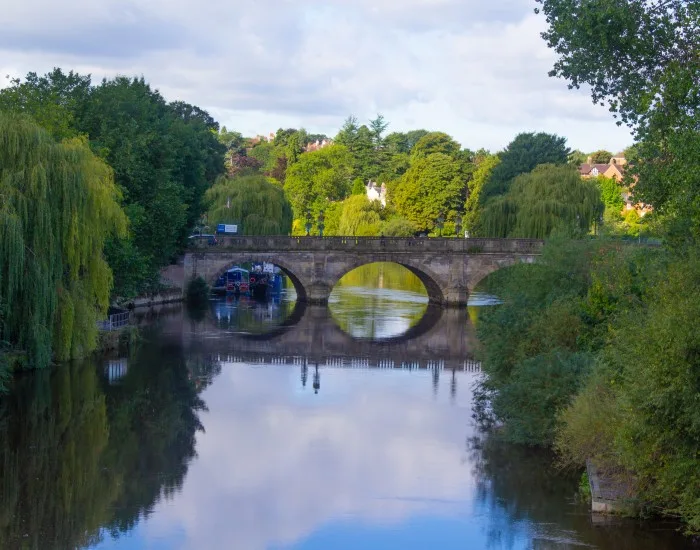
x=235 y=281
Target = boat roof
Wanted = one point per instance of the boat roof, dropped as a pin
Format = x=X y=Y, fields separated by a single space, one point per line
x=237 y=269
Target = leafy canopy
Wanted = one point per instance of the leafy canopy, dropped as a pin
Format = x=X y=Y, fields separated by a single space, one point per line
x=258 y=206
x=548 y=198
x=58 y=205
x=521 y=156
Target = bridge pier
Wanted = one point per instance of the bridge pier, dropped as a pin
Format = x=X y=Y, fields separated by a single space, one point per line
x=317 y=294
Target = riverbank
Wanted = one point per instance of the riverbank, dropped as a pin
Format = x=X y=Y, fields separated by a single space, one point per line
x=591 y=353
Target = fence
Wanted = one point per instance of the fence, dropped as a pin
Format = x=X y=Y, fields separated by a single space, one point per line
x=114 y=321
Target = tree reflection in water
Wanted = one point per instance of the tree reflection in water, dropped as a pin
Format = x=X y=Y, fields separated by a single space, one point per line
x=79 y=456
x=521 y=489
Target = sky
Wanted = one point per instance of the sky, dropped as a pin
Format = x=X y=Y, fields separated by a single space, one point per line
x=475 y=69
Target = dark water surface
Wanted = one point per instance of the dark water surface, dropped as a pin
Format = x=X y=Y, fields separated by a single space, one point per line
x=270 y=426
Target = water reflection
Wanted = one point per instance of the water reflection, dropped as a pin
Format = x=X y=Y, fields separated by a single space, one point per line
x=81 y=457
x=380 y=300
x=280 y=431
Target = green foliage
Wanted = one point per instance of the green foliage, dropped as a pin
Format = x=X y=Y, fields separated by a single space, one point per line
x=638 y=413
x=360 y=217
x=432 y=185
x=397 y=227
x=577 y=158
x=358 y=187
x=434 y=142
x=601 y=157
x=54 y=220
x=647 y=70
x=197 y=291
x=317 y=178
x=547 y=199
x=163 y=155
x=258 y=206
x=403 y=142
x=610 y=193
x=485 y=165
x=521 y=156
x=55 y=101
x=530 y=342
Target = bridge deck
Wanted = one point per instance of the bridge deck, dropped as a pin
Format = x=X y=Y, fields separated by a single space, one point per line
x=370 y=244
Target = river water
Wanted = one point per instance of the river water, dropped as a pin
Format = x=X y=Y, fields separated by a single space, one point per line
x=270 y=426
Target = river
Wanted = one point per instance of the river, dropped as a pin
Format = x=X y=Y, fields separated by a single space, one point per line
x=274 y=426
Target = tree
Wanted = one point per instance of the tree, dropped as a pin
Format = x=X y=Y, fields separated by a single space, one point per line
x=548 y=198
x=256 y=205
x=647 y=70
x=485 y=164
x=164 y=156
x=377 y=128
x=601 y=157
x=521 y=156
x=359 y=217
x=577 y=158
x=319 y=177
x=610 y=193
x=358 y=187
x=55 y=101
x=397 y=227
x=59 y=205
x=348 y=133
x=434 y=142
x=403 y=142
x=432 y=185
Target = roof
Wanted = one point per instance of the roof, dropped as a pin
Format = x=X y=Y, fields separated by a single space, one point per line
x=585 y=169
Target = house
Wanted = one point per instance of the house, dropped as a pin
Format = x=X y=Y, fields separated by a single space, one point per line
x=615 y=170
x=376 y=192
x=318 y=144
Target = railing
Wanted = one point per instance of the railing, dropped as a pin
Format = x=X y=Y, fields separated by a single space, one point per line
x=372 y=244
x=114 y=321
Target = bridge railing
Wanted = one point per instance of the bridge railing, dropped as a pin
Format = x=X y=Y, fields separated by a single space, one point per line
x=371 y=244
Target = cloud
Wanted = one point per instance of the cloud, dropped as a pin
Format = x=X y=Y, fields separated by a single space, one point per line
x=276 y=463
x=475 y=69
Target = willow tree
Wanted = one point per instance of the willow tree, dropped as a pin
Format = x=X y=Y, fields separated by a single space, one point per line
x=548 y=198
x=256 y=205
x=58 y=204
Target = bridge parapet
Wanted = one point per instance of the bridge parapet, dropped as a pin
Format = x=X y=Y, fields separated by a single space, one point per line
x=371 y=244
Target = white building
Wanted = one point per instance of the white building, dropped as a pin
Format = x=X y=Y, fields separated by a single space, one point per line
x=376 y=192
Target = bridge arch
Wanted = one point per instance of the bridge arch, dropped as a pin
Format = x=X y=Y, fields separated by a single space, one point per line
x=430 y=280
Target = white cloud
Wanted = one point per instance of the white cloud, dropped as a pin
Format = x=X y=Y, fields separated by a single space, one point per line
x=276 y=464
x=477 y=70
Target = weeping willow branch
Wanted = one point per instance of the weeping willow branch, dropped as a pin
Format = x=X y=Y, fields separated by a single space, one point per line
x=258 y=206
x=548 y=198
x=58 y=205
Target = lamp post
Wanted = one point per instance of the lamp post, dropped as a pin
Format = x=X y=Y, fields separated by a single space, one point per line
x=458 y=224
x=440 y=222
x=308 y=223
x=320 y=223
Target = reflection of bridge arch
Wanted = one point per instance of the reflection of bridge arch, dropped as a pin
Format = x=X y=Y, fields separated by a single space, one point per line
x=442 y=334
x=449 y=268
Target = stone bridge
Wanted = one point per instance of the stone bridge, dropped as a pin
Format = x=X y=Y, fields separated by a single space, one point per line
x=448 y=268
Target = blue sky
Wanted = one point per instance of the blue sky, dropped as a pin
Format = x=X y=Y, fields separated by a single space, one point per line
x=472 y=68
